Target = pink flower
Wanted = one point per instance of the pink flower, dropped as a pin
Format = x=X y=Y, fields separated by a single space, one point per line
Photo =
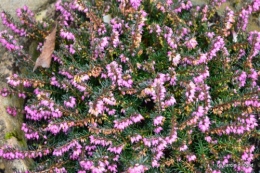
x=183 y=148
x=136 y=138
x=171 y=101
x=158 y=130
x=208 y=139
x=67 y=35
x=136 y=118
x=192 y=43
x=60 y=170
x=11 y=111
x=135 y=3
x=158 y=120
x=71 y=103
x=155 y=164
x=4 y=92
x=112 y=168
x=86 y=165
x=123 y=58
x=13 y=80
x=174 y=59
x=242 y=79
x=204 y=124
x=191 y=157
x=122 y=124
x=216 y=171
x=116 y=150
x=210 y=34
x=96 y=109
x=137 y=169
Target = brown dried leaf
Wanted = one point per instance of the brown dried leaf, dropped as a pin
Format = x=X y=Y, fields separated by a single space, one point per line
x=44 y=60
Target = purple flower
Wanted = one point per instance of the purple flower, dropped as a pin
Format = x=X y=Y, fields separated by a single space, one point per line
x=192 y=43
x=191 y=157
x=136 y=118
x=86 y=165
x=135 y=3
x=155 y=164
x=112 y=168
x=136 y=138
x=116 y=150
x=67 y=35
x=12 y=26
x=27 y=83
x=55 y=82
x=241 y=78
x=217 y=2
x=13 y=80
x=158 y=120
x=4 y=92
x=22 y=95
x=11 y=111
x=71 y=103
x=157 y=130
x=96 y=109
x=204 y=124
x=183 y=148
x=121 y=125
x=137 y=168
x=175 y=60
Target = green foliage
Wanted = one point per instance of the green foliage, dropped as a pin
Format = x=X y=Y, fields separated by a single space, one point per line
x=161 y=87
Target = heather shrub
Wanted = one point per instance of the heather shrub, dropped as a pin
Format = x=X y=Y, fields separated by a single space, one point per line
x=138 y=86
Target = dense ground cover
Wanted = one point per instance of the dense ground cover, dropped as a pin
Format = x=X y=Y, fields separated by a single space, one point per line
x=137 y=86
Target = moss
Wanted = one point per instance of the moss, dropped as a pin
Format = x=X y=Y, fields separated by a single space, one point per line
x=18 y=134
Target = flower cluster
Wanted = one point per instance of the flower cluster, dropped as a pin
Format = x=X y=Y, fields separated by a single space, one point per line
x=29 y=133
x=9 y=42
x=138 y=86
x=11 y=110
x=20 y=32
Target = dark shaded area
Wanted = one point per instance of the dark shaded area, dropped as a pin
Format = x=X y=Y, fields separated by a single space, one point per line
x=256 y=162
x=148 y=105
x=167 y=153
x=255 y=140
